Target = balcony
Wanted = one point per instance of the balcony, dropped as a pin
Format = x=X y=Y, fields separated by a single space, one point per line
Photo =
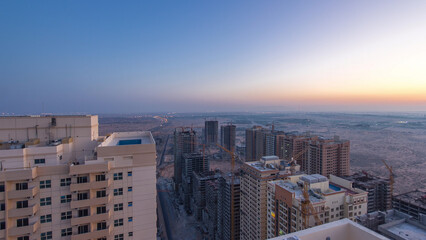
x=27 y=193
x=90 y=218
x=91 y=201
x=20 y=174
x=22 y=212
x=90 y=185
x=95 y=234
x=89 y=168
x=30 y=229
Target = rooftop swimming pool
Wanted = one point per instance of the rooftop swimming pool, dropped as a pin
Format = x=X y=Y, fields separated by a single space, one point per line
x=129 y=142
x=335 y=188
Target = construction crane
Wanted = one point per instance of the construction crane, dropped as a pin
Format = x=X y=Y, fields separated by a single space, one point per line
x=308 y=209
x=391 y=177
x=232 y=187
x=293 y=160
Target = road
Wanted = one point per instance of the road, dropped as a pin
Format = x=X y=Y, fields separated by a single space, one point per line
x=164 y=151
x=169 y=213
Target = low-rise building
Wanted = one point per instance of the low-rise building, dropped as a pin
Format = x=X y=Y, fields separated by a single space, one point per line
x=330 y=200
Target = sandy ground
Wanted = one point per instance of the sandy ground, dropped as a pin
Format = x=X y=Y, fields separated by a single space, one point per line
x=398 y=139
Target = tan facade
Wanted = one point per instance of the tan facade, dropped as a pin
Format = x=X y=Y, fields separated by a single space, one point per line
x=75 y=185
x=332 y=200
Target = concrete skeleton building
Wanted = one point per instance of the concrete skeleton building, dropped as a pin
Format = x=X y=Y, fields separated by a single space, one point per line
x=332 y=200
x=60 y=180
x=227 y=137
x=394 y=224
x=185 y=141
x=200 y=181
x=379 y=195
x=254 y=179
x=412 y=203
x=192 y=163
x=224 y=210
x=211 y=132
x=343 y=229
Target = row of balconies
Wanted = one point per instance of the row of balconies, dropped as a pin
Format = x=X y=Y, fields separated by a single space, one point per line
x=94 y=234
x=90 y=185
x=91 y=201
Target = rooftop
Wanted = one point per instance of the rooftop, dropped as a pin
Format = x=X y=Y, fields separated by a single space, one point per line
x=408 y=231
x=128 y=138
x=343 y=229
x=417 y=198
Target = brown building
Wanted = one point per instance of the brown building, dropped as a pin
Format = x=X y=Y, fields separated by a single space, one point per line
x=254 y=179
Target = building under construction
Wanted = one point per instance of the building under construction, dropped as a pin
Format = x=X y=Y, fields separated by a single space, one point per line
x=412 y=203
x=185 y=141
x=210 y=211
x=192 y=163
x=199 y=190
x=227 y=137
x=379 y=194
x=228 y=224
x=211 y=132
x=303 y=201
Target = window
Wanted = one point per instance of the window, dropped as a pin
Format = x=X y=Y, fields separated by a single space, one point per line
x=66 y=215
x=82 y=179
x=130 y=219
x=83 y=212
x=130 y=234
x=101 y=210
x=2 y=225
x=39 y=161
x=65 y=182
x=118 y=176
x=119 y=237
x=22 y=204
x=118 y=191
x=2 y=206
x=82 y=196
x=130 y=204
x=22 y=186
x=45 y=184
x=66 y=198
x=22 y=222
x=101 y=193
x=66 y=232
x=23 y=238
x=101 y=226
x=118 y=222
x=129 y=174
x=46 y=218
x=83 y=229
x=118 y=207
x=45 y=201
x=100 y=178
x=130 y=189
x=2 y=188
x=46 y=235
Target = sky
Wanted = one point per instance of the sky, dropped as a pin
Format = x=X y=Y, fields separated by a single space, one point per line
x=207 y=56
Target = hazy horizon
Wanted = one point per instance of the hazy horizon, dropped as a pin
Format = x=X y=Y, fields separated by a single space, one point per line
x=168 y=56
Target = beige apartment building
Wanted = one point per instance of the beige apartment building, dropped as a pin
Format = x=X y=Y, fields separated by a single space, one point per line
x=332 y=200
x=60 y=180
x=254 y=179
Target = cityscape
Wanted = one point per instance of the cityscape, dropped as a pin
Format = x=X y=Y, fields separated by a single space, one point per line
x=213 y=120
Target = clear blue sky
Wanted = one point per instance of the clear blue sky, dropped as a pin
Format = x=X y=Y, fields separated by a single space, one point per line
x=186 y=56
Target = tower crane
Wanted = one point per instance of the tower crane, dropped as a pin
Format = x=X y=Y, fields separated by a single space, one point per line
x=293 y=160
x=391 y=177
x=308 y=209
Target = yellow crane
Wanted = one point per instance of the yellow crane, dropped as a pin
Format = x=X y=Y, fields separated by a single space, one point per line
x=308 y=209
x=293 y=160
x=391 y=177
x=232 y=187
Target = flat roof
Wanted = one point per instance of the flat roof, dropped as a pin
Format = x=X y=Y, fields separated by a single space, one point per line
x=128 y=138
x=408 y=231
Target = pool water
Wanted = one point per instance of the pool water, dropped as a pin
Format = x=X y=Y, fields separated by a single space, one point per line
x=129 y=142
x=335 y=188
